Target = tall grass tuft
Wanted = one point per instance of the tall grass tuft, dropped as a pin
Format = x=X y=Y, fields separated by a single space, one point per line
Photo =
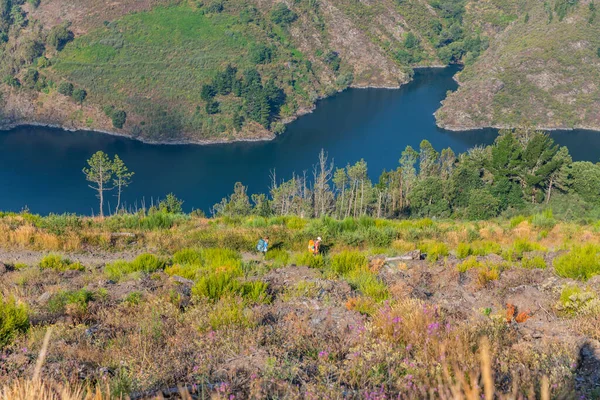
x=58 y=263
x=582 y=262
x=143 y=263
x=14 y=320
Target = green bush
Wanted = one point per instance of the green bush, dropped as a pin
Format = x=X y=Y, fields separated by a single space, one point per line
x=520 y=246
x=66 y=89
x=574 y=300
x=477 y=248
x=230 y=312
x=545 y=220
x=517 y=220
x=536 y=262
x=216 y=285
x=14 y=319
x=143 y=263
x=581 y=262
x=133 y=298
x=119 y=117
x=469 y=263
x=187 y=256
x=58 y=263
x=279 y=256
x=282 y=15
x=434 y=250
x=80 y=298
x=348 y=261
x=310 y=260
x=369 y=285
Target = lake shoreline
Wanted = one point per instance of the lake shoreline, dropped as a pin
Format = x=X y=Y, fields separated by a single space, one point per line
x=503 y=127
x=7 y=126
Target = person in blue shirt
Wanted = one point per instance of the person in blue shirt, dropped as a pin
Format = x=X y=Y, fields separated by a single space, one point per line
x=263 y=245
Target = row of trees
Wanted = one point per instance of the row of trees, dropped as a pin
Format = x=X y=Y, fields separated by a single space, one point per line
x=522 y=167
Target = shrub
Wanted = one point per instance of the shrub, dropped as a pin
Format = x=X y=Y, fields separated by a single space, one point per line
x=79 y=299
x=187 y=256
x=58 y=263
x=487 y=274
x=477 y=248
x=230 y=312
x=434 y=250
x=119 y=118
x=279 y=256
x=545 y=220
x=255 y=292
x=79 y=95
x=133 y=298
x=463 y=250
x=536 y=262
x=66 y=89
x=310 y=260
x=517 y=220
x=348 y=261
x=469 y=263
x=14 y=319
x=369 y=285
x=520 y=246
x=11 y=81
x=580 y=263
x=215 y=285
x=143 y=263
x=282 y=15
x=574 y=300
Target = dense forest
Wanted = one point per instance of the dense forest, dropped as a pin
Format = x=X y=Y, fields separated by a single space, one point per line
x=523 y=169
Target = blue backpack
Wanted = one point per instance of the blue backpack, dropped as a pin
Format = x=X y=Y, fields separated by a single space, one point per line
x=262 y=245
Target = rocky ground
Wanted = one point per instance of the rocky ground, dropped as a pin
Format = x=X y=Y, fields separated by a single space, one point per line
x=307 y=306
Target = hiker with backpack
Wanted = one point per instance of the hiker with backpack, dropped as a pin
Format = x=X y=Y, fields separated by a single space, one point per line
x=263 y=245
x=313 y=246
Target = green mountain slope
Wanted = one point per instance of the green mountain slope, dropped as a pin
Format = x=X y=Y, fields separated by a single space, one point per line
x=221 y=70
x=544 y=70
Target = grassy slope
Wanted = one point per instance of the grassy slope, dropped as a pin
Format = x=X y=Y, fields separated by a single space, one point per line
x=537 y=72
x=152 y=63
x=144 y=61
x=349 y=323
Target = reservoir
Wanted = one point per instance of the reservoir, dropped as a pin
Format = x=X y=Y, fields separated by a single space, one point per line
x=41 y=168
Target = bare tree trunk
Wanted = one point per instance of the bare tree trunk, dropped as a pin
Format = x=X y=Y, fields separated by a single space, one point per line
x=362 y=196
x=549 y=190
x=101 y=195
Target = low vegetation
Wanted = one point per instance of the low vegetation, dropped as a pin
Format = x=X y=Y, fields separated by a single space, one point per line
x=174 y=305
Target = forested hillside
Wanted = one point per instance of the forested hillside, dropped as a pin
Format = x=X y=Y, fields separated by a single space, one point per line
x=221 y=70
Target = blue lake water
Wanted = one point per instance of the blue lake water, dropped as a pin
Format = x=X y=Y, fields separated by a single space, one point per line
x=40 y=168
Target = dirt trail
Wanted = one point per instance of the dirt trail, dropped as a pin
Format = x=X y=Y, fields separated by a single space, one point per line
x=32 y=257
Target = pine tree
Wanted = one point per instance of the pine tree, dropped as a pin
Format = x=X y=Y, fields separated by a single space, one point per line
x=99 y=173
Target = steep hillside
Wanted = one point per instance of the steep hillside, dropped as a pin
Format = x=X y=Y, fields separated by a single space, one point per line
x=544 y=70
x=142 y=306
x=221 y=70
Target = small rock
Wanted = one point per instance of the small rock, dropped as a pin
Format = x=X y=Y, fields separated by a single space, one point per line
x=3 y=268
x=44 y=297
x=182 y=280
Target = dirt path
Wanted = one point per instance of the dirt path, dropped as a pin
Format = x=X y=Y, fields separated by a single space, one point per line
x=31 y=257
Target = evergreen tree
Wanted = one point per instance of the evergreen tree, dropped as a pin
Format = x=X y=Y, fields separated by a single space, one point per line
x=122 y=178
x=99 y=174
